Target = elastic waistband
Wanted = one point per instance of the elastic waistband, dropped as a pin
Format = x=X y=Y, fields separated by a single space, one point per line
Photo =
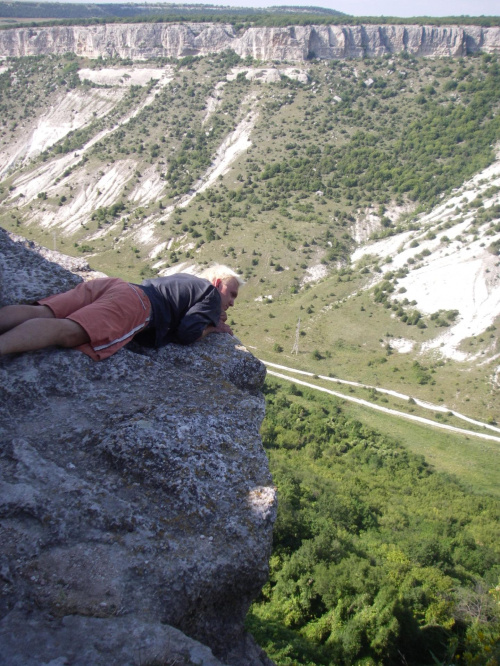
x=141 y=295
x=146 y=303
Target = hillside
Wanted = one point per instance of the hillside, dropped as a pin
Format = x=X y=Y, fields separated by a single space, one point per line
x=74 y=13
x=167 y=11
x=360 y=200
x=360 y=196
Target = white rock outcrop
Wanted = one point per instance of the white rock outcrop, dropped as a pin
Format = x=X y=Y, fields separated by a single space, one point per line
x=292 y=43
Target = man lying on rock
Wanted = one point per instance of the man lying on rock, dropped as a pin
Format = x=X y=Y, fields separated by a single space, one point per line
x=101 y=316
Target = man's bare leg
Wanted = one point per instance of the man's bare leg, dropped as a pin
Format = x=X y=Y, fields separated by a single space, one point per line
x=42 y=332
x=13 y=315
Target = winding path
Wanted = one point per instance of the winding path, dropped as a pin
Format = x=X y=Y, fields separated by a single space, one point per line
x=386 y=410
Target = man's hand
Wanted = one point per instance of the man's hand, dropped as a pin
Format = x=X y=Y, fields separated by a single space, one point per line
x=223 y=328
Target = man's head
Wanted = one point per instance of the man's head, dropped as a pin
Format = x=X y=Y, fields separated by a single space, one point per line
x=226 y=281
x=228 y=290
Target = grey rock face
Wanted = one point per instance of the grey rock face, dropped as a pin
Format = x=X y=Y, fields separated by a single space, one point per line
x=88 y=640
x=26 y=275
x=136 y=504
x=293 y=43
x=29 y=271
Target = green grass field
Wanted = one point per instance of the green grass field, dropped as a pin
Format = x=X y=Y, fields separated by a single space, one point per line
x=475 y=462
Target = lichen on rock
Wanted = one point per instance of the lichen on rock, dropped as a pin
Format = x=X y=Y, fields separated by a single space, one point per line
x=136 y=501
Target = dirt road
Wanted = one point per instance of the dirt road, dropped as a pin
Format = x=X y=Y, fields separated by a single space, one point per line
x=386 y=410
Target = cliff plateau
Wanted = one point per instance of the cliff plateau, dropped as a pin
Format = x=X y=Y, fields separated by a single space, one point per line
x=292 y=43
x=136 y=503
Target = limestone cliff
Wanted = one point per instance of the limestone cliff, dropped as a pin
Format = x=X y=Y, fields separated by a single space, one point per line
x=294 y=43
x=136 y=504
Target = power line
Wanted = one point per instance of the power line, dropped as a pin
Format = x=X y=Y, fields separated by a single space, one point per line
x=295 y=348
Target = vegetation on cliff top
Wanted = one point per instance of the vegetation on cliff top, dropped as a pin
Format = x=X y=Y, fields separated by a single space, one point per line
x=90 y=14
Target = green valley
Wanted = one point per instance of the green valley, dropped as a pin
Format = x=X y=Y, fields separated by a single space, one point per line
x=360 y=201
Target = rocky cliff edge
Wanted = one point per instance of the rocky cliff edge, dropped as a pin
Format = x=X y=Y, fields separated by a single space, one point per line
x=136 y=503
x=292 y=43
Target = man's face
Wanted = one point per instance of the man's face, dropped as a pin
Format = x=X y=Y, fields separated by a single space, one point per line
x=228 y=290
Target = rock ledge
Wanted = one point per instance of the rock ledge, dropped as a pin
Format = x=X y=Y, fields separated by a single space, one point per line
x=136 y=503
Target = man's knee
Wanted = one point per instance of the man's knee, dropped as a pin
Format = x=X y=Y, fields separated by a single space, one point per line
x=71 y=334
x=14 y=315
x=43 y=312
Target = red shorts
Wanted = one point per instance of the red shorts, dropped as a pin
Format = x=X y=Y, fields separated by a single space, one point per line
x=110 y=310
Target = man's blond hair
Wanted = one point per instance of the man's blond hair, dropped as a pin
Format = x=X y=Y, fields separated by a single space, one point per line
x=221 y=272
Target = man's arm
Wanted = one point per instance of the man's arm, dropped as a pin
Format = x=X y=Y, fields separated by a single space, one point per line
x=220 y=328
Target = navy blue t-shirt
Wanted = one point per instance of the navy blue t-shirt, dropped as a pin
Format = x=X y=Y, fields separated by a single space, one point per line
x=182 y=307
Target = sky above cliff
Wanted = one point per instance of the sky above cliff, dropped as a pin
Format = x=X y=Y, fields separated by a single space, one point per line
x=359 y=7
x=390 y=7
x=406 y=9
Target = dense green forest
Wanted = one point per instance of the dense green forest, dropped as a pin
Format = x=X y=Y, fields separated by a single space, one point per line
x=378 y=559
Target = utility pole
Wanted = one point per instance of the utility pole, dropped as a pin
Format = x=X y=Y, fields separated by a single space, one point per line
x=295 y=348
